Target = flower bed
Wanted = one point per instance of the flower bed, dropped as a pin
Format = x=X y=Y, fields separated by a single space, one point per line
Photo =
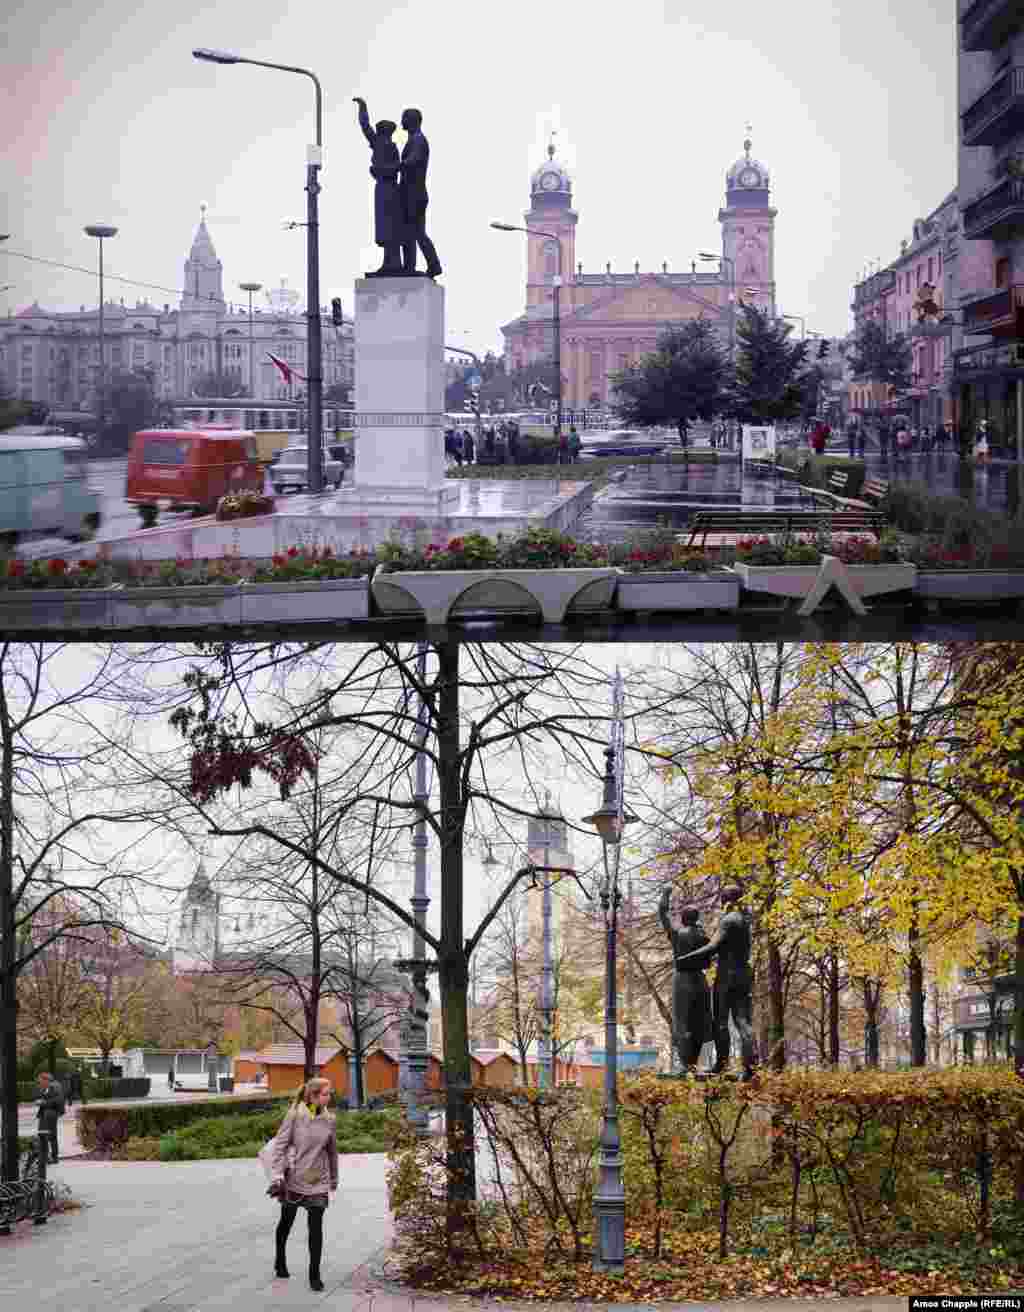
x=242 y=505
x=856 y=567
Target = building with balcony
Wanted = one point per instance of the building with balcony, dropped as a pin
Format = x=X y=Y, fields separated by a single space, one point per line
x=925 y=271
x=53 y=356
x=988 y=372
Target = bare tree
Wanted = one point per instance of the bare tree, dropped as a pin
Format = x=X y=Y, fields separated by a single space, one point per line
x=505 y=714
x=60 y=799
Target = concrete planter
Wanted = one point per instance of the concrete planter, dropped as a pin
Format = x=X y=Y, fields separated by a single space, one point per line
x=443 y=593
x=54 y=608
x=678 y=590
x=170 y=607
x=936 y=585
x=312 y=599
x=812 y=582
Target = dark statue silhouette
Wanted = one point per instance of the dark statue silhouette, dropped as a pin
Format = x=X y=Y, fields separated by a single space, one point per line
x=734 y=980
x=388 y=222
x=691 y=1000
x=400 y=211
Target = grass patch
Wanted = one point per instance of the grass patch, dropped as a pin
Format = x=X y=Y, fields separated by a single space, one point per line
x=583 y=471
x=243 y=1136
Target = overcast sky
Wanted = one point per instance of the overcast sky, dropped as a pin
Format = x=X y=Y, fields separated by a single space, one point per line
x=109 y=119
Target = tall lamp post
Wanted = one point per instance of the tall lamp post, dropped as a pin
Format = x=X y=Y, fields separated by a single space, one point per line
x=101 y=230
x=557 y=283
x=724 y=259
x=314 y=364
x=609 y=821
x=251 y=287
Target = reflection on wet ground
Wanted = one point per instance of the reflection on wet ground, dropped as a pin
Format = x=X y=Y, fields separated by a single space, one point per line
x=653 y=492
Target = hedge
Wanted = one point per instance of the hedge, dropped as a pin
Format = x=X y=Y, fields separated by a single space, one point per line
x=815 y=470
x=151 y=1119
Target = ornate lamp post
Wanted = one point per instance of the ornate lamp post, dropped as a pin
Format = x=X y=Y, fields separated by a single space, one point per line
x=609 y=820
x=101 y=230
x=251 y=287
x=557 y=283
x=314 y=362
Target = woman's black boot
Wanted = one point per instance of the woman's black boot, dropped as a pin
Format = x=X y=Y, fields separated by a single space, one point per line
x=315 y=1283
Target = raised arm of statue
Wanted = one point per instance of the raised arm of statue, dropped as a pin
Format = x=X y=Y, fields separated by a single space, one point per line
x=364 y=121
x=663 y=915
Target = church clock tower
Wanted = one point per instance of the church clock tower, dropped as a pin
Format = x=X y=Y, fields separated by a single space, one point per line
x=748 y=230
x=551 y=210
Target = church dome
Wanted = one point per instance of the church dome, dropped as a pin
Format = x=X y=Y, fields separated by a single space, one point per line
x=747 y=173
x=551 y=179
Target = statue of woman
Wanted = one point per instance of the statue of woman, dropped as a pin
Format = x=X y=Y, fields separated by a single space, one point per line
x=691 y=998
x=388 y=220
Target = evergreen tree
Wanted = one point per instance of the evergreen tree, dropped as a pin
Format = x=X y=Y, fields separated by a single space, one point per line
x=769 y=370
x=879 y=358
x=684 y=379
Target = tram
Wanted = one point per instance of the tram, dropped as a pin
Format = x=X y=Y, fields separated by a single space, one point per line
x=274 y=424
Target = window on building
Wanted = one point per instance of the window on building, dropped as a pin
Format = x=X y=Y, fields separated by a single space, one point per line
x=929 y=268
x=1003 y=268
x=26 y=352
x=918 y=274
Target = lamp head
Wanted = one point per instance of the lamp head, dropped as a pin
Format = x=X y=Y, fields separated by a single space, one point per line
x=216 y=56
x=250 y=286
x=707 y=255
x=505 y=227
x=100 y=230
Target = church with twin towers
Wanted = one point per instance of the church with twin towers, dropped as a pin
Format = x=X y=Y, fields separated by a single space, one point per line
x=611 y=318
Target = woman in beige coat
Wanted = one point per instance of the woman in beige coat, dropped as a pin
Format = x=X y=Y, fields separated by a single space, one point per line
x=304 y=1162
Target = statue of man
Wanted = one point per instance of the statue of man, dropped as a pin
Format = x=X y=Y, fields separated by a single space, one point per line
x=388 y=219
x=691 y=1001
x=734 y=981
x=413 y=186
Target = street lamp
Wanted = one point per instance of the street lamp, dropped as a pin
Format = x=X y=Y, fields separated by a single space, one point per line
x=557 y=283
x=802 y=321
x=314 y=365
x=609 y=821
x=724 y=259
x=251 y=287
x=101 y=230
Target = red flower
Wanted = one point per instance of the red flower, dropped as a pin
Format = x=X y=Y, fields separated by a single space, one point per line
x=87 y=565
x=277 y=559
x=15 y=569
x=57 y=565
x=456 y=544
x=292 y=552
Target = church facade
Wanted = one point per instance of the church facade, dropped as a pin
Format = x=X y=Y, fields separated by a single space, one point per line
x=608 y=320
x=54 y=356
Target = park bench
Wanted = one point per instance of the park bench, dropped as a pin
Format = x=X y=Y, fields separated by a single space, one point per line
x=740 y=523
x=876 y=488
x=839 y=480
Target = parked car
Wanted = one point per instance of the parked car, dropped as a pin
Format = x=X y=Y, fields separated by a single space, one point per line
x=291 y=469
x=44 y=487
x=185 y=469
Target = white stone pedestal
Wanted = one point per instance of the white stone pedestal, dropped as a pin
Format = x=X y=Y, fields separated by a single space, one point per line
x=399 y=350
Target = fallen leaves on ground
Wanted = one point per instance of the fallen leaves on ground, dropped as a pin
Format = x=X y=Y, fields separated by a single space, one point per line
x=689 y=1270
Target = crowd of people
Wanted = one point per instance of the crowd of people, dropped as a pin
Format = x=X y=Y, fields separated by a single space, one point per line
x=502 y=444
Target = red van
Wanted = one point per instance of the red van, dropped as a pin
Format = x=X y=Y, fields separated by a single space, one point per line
x=189 y=469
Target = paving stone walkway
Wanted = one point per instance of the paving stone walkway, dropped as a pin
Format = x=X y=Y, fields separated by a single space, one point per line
x=198 y=1237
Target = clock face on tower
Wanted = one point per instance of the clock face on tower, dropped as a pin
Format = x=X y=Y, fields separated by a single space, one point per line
x=549 y=181
x=749 y=178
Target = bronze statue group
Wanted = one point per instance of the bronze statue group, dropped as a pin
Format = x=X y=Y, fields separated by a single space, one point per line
x=697 y=1014
x=400 y=194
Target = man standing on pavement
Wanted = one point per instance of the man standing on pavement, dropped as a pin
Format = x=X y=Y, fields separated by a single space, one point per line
x=51 y=1106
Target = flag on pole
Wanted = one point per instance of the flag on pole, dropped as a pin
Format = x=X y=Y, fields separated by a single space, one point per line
x=287 y=372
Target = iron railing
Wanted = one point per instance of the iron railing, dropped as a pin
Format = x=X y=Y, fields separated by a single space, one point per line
x=986 y=121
